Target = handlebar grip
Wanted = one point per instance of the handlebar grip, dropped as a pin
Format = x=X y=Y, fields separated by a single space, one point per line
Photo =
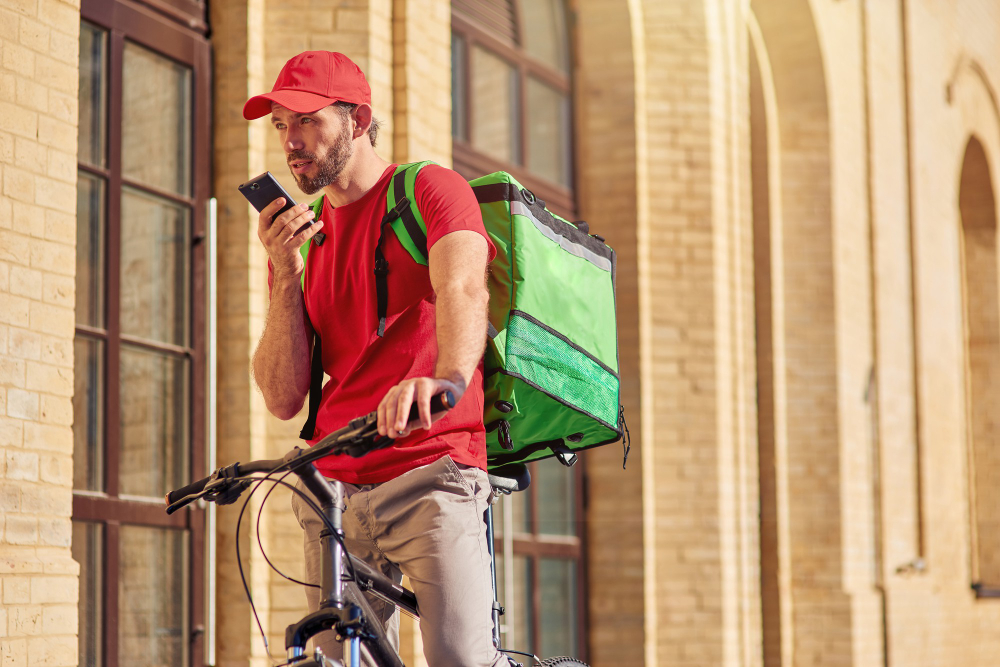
x=439 y=403
x=194 y=487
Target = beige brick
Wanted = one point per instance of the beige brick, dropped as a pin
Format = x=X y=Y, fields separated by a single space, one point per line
x=40 y=499
x=4 y=277
x=25 y=7
x=55 y=194
x=55 y=532
x=18 y=121
x=11 y=432
x=8 y=25
x=29 y=219
x=48 y=438
x=14 y=310
x=51 y=256
x=34 y=35
x=59 y=15
x=18 y=59
x=25 y=344
x=60 y=226
x=16 y=591
x=21 y=465
x=25 y=620
x=56 y=560
x=47 y=590
x=3 y=612
x=60 y=620
x=65 y=47
x=26 y=282
x=10 y=498
x=57 y=350
x=3 y=408
x=22 y=405
x=59 y=290
x=14 y=652
x=56 y=410
x=57 y=75
x=54 y=380
x=58 y=651
x=13 y=372
x=62 y=165
x=52 y=319
x=63 y=106
x=7 y=144
x=20 y=529
x=32 y=95
x=13 y=247
x=56 y=469
x=56 y=133
x=18 y=184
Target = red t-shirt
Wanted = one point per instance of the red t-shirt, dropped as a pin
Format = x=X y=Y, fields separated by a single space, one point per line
x=341 y=304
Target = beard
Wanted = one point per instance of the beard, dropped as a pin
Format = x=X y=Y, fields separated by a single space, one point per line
x=329 y=166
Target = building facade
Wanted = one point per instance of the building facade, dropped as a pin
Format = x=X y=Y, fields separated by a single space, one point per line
x=801 y=196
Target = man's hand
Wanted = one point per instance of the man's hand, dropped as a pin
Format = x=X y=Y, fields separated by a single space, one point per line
x=279 y=237
x=394 y=410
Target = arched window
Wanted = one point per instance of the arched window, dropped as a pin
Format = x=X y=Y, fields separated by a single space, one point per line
x=977 y=207
x=511 y=110
x=511 y=94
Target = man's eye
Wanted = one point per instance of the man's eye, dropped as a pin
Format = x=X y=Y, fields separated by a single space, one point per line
x=279 y=126
x=307 y=120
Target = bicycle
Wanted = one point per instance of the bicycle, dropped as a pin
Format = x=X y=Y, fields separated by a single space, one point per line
x=344 y=608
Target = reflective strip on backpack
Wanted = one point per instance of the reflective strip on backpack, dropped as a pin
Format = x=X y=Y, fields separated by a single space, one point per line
x=573 y=248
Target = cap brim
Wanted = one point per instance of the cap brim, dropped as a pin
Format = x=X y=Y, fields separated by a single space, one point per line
x=295 y=100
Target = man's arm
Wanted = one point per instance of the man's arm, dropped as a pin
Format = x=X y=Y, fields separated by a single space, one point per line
x=281 y=364
x=457 y=265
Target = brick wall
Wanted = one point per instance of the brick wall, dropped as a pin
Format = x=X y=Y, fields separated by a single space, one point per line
x=38 y=89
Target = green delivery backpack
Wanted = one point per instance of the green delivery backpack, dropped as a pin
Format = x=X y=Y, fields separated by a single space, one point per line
x=551 y=364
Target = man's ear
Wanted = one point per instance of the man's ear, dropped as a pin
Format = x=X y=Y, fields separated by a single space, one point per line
x=362 y=119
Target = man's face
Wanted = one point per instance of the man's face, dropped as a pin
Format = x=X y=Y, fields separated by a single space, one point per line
x=317 y=145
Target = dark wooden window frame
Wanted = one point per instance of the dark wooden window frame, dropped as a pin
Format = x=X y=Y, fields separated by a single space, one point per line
x=176 y=30
x=470 y=162
x=535 y=545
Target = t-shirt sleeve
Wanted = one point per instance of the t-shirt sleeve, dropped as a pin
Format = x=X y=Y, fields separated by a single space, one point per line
x=447 y=204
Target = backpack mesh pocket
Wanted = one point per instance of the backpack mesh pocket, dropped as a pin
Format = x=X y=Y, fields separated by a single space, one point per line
x=554 y=365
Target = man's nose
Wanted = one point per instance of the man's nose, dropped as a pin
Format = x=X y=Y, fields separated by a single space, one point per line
x=292 y=142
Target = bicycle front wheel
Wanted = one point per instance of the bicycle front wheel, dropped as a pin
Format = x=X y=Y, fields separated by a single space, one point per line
x=562 y=662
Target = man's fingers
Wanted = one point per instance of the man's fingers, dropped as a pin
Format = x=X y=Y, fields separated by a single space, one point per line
x=383 y=419
x=424 y=392
x=403 y=403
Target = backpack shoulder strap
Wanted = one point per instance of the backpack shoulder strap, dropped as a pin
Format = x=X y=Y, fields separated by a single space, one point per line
x=317 y=208
x=407 y=223
x=316 y=372
x=402 y=214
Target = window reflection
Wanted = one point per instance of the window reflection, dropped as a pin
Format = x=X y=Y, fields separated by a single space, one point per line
x=494 y=106
x=88 y=552
x=156 y=121
x=154 y=423
x=92 y=141
x=152 y=598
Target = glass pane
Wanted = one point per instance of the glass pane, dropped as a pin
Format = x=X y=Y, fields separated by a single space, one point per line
x=557 y=616
x=92 y=140
x=152 y=598
x=87 y=551
x=520 y=512
x=556 y=486
x=156 y=120
x=88 y=414
x=494 y=107
x=154 y=422
x=548 y=133
x=545 y=35
x=459 y=124
x=514 y=594
x=155 y=268
x=90 y=283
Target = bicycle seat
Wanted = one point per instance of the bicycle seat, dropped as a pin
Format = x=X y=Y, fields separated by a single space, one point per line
x=510 y=478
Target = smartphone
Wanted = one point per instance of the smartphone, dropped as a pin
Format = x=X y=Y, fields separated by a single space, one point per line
x=263 y=190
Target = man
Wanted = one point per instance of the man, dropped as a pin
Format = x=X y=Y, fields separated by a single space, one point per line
x=415 y=508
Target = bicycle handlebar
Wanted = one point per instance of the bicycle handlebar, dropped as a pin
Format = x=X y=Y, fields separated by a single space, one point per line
x=358 y=438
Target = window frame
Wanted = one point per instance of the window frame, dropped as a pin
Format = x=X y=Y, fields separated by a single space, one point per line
x=174 y=29
x=472 y=163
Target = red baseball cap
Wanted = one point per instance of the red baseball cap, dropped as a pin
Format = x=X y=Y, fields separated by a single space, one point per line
x=310 y=81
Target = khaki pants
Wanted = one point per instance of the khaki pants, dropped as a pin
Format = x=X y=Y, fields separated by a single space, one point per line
x=427 y=524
